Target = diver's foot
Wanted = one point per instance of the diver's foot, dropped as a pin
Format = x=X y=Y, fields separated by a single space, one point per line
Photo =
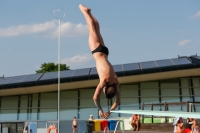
x=84 y=8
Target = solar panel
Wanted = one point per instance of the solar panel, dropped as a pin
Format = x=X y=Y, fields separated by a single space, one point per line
x=4 y=80
x=180 y=61
x=163 y=63
x=148 y=64
x=66 y=73
x=17 y=79
x=93 y=71
x=130 y=66
x=32 y=77
x=117 y=68
x=49 y=75
x=81 y=72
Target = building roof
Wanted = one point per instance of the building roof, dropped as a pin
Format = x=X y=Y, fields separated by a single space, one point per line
x=88 y=74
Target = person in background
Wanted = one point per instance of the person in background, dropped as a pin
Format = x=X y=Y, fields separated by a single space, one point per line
x=179 y=125
x=26 y=128
x=52 y=127
x=175 y=123
x=91 y=117
x=31 y=131
x=189 y=123
x=195 y=127
x=75 y=125
x=135 y=121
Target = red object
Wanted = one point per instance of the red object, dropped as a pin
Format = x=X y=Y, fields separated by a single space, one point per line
x=187 y=130
x=104 y=124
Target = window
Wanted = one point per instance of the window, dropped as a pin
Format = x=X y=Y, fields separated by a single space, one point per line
x=149 y=94
x=48 y=106
x=170 y=93
x=33 y=114
x=87 y=106
x=9 y=107
x=68 y=104
x=186 y=89
x=23 y=107
x=129 y=98
x=196 y=87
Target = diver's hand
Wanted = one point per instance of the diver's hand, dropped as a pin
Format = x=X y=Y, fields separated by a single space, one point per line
x=107 y=114
x=102 y=115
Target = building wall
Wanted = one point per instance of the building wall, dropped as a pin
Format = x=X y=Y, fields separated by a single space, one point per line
x=79 y=103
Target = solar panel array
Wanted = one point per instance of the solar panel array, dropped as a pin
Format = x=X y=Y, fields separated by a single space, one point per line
x=93 y=71
x=17 y=79
x=131 y=66
x=181 y=61
x=163 y=63
x=49 y=75
x=66 y=73
x=148 y=64
x=32 y=77
x=81 y=72
x=4 y=80
x=117 y=68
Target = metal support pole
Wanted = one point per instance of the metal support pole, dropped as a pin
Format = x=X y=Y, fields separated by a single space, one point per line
x=190 y=110
x=142 y=115
x=59 y=13
x=187 y=106
x=152 y=110
x=165 y=107
x=59 y=77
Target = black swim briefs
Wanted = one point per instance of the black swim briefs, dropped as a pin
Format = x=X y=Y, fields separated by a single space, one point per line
x=102 y=49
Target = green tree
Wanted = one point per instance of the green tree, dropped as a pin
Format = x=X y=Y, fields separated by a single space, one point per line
x=51 y=67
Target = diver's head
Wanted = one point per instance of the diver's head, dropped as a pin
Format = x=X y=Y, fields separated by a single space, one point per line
x=109 y=91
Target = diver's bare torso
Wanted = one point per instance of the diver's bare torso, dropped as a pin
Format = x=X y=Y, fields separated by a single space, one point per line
x=105 y=70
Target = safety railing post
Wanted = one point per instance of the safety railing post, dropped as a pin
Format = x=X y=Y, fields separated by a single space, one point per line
x=117 y=125
x=105 y=130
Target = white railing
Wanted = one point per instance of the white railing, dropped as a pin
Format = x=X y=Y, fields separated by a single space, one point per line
x=105 y=130
x=117 y=125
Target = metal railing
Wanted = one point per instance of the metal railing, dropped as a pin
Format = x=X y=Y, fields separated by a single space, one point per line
x=117 y=125
x=189 y=107
x=106 y=129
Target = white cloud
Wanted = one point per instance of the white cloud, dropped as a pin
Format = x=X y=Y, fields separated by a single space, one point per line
x=184 y=42
x=79 y=61
x=196 y=15
x=48 y=29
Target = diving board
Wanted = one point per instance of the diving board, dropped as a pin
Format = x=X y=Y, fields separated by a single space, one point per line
x=160 y=113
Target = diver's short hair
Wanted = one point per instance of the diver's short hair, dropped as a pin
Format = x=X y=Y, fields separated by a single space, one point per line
x=110 y=91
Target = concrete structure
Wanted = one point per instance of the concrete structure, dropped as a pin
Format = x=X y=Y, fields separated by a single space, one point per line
x=33 y=97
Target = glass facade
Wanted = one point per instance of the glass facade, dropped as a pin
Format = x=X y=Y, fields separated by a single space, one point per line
x=79 y=103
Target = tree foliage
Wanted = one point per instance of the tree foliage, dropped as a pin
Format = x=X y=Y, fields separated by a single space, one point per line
x=51 y=67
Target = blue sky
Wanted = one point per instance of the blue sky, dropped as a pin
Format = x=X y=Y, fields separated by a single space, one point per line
x=133 y=30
